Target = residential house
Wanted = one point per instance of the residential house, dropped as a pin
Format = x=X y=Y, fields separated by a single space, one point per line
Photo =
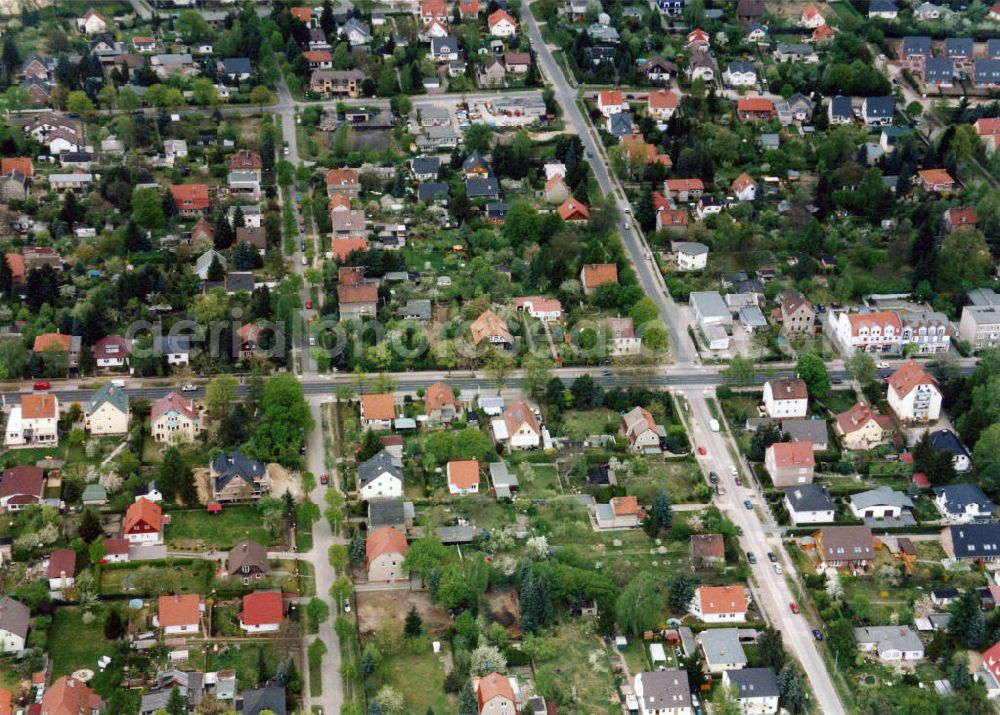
x=701 y=66
x=786 y=397
x=20 y=487
x=663 y=692
x=861 y=427
x=357 y=301
x=143 y=522
x=556 y=191
x=698 y=40
x=247 y=561
x=343 y=182
x=913 y=394
x=610 y=102
x=548 y=310
x=744 y=187
x=463 y=476
x=797 y=314
x=722 y=649
x=963 y=503
x=883 y=10
x=517 y=427
x=488 y=189
x=619 y=513
x=851 y=547
x=179 y=614
x=594 y=275
x=879 y=503
x=190 y=200
x=69 y=344
x=380 y=477
x=70 y=696
x=661 y=104
x=573 y=211
x=684 y=190
x=468 y=9
x=740 y=73
x=795 y=52
x=336 y=83
x=377 y=411
x=972 y=542
x=878 y=111
x=939 y=72
x=425 y=168
x=809 y=504
x=34 y=421
x=175 y=420
x=840 y=110
x=263 y=612
x=492 y=329
x=988 y=129
x=890 y=643
x=444 y=49
x=492 y=73
x=720 y=604
x=641 y=431
x=960 y=217
x=91 y=23
x=756 y=689
x=356 y=32
x=15 y=619
x=708 y=549
x=498 y=694
x=980 y=326
x=385 y=549
x=440 y=403
x=936 y=181
x=62 y=569
x=691 y=255
x=501 y=24
x=319 y=59
x=749 y=11
x=518 y=63
x=621 y=337
x=107 y=411
x=811 y=18
x=236 y=478
x=112 y=351
x=790 y=463
x=237 y=69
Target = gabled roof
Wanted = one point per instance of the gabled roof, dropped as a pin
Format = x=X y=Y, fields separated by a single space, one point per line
x=881 y=496
x=172 y=402
x=108 y=392
x=190 y=196
x=384 y=540
x=36 y=407
x=377 y=465
x=463 y=473
x=909 y=376
x=788 y=388
x=62 y=562
x=249 y=554
x=597 y=274
x=936 y=176
x=437 y=395
x=847 y=543
x=69 y=696
x=262 y=608
x=180 y=609
x=498 y=17
x=22 y=482
x=357 y=293
x=722 y=599
x=493 y=686
x=809 y=497
x=490 y=325
x=708 y=546
x=517 y=414
x=15 y=617
x=752 y=683
x=975 y=541
x=378 y=407
x=143 y=511
x=571 y=208
x=860 y=415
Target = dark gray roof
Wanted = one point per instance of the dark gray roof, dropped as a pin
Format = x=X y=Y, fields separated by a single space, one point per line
x=15 y=617
x=371 y=469
x=237 y=65
x=958 y=47
x=993 y=47
x=473 y=160
x=482 y=188
x=443 y=45
x=880 y=106
x=939 y=69
x=621 y=124
x=806 y=430
x=742 y=66
x=386 y=512
x=271 y=697
x=809 y=497
x=958 y=496
x=165 y=344
x=233 y=466
x=883 y=6
x=754 y=682
x=722 y=645
x=947 y=440
x=236 y=282
x=432 y=190
x=426 y=165
x=419 y=308
x=916 y=45
x=665 y=690
x=881 y=496
x=988 y=71
x=975 y=541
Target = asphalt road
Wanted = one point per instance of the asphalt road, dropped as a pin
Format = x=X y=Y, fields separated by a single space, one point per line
x=774 y=594
x=638 y=252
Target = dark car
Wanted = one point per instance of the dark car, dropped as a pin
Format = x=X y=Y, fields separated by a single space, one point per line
x=748 y=505
x=751 y=558
x=713 y=477
x=771 y=557
x=817 y=634
x=739 y=531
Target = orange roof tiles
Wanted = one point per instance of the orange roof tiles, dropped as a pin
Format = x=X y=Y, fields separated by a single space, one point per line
x=962 y=216
x=742 y=181
x=342 y=177
x=662 y=99
x=573 y=210
x=190 y=196
x=20 y=164
x=69 y=696
x=518 y=414
x=858 y=416
x=262 y=608
x=625 y=506
x=438 y=395
x=936 y=177
x=49 y=340
x=489 y=325
x=610 y=98
x=790 y=455
x=597 y=274
x=384 y=540
x=882 y=319
x=722 y=599
x=143 y=512
x=909 y=376
x=318 y=55
x=378 y=407
x=498 y=17
x=36 y=407
x=463 y=473
x=16 y=263
x=181 y=609
x=684 y=185
x=351 y=293
x=303 y=14
x=494 y=686
x=172 y=402
x=344 y=247
x=754 y=104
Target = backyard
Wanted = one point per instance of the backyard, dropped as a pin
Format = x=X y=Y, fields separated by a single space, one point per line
x=420 y=677
x=197 y=530
x=75 y=644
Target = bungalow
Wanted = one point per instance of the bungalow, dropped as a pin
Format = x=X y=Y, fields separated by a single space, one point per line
x=790 y=463
x=143 y=523
x=641 y=431
x=21 y=486
x=809 y=504
x=861 y=428
x=936 y=181
x=548 y=310
x=517 y=62
x=795 y=52
x=972 y=542
x=963 y=503
x=879 y=503
x=463 y=476
x=380 y=477
x=890 y=643
x=883 y=10
x=488 y=188
x=179 y=614
x=491 y=329
x=385 y=550
x=851 y=547
x=517 y=427
x=720 y=604
x=619 y=513
x=319 y=59
x=594 y=275
x=144 y=44
x=723 y=650
x=107 y=411
x=263 y=612
x=377 y=411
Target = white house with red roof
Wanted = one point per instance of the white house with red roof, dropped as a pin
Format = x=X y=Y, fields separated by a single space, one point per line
x=874 y=332
x=913 y=394
x=610 y=102
x=263 y=612
x=698 y=39
x=91 y=23
x=811 y=18
x=112 y=351
x=62 y=569
x=661 y=104
x=989 y=674
x=21 y=486
x=720 y=604
x=545 y=309
x=988 y=129
x=463 y=476
x=517 y=427
x=501 y=24
x=143 y=522
x=175 y=420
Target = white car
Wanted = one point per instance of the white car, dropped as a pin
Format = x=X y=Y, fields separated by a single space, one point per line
x=188 y=388
x=777 y=569
x=627 y=225
x=347 y=605
x=882 y=365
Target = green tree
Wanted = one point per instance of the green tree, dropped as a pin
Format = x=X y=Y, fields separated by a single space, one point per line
x=413 y=626
x=371 y=444
x=740 y=372
x=128 y=100
x=342 y=589
x=176 y=705
x=424 y=555
x=203 y=92
x=967 y=623
x=680 y=592
x=318 y=611
x=537 y=610
x=639 y=607
x=964 y=260
x=261 y=95
x=147 y=209
x=812 y=370
x=986 y=453
x=791 y=688
x=79 y=103
x=536 y=371
x=114 y=628
x=861 y=365
x=661 y=516
x=192 y=26
x=478 y=138
x=356 y=548
x=284 y=420
x=220 y=393
x=467 y=701
x=13 y=359
x=725 y=701
x=771 y=649
x=90 y=526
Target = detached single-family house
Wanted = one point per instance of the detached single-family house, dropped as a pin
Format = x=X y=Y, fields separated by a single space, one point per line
x=174 y=419
x=619 y=513
x=501 y=24
x=661 y=104
x=35 y=421
x=547 y=310
x=936 y=181
x=380 y=477
x=663 y=692
x=235 y=478
x=947 y=441
x=744 y=187
x=878 y=111
x=490 y=329
x=91 y=23
x=756 y=689
x=463 y=476
x=15 y=619
x=809 y=504
x=720 y=604
x=62 y=570
x=641 y=431
x=963 y=503
x=20 y=487
x=610 y=102
x=722 y=649
x=972 y=542
x=517 y=427
x=143 y=522
x=498 y=694
x=263 y=612
x=248 y=562
x=594 y=275
x=786 y=397
x=112 y=351
x=851 y=547
x=107 y=412
x=385 y=549
x=790 y=464
x=179 y=614
x=377 y=411
x=70 y=696
x=573 y=211
x=691 y=255
x=440 y=403
x=708 y=549
x=862 y=428
x=890 y=643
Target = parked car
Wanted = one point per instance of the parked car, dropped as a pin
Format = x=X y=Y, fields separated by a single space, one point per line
x=882 y=365
x=43 y=385
x=309 y=305
x=751 y=558
x=794 y=606
x=189 y=388
x=817 y=634
x=748 y=504
x=347 y=605
x=713 y=477
x=702 y=451
x=772 y=557
x=719 y=490
x=777 y=569
x=324 y=479
x=606 y=373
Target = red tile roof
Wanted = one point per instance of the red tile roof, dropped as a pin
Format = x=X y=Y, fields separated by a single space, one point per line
x=384 y=540
x=344 y=247
x=22 y=485
x=69 y=696
x=882 y=319
x=304 y=14
x=47 y=340
x=180 y=609
x=597 y=274
x=20 y=164
x=246 y=160
x=348 y=294
x=438 y=395
x=102 y=348
x=684 y=185
x=62 y=562
x=463 y=473
x=517 y=414
x=262 y=608
x=16 y=263
x=342 y=177
x=722 y=599
x=793 y=455
x=493 y=686
x=170 y=402
x=962 y=216
x=36 y=407
x=662 y=99
x=754 y=104
x=143 y=516
x=936 y=177
x=610 y=98
x=498 y=17
x=378 y=407
x=910 y=375
x=192 y=197
x=573 y=210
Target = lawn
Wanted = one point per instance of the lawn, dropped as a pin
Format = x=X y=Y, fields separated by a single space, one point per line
x=838 y=401
x=244 y=659
x=420 y=678
x=175 y=577
x=197 y=529
x=683 y=482
x=538 y=480
x=578 y=424
x=27 y=457
x=74 y=644
x=584 y=667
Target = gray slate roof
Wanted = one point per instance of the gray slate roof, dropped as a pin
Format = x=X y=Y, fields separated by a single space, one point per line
x=15 y=617
x=754 y=682
x=882 y=496
x=889 y=637
x=809 y=497
x=665 y=690
x=371 y=469
x=388 y=512
x=806 y=430
x=722 y=645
